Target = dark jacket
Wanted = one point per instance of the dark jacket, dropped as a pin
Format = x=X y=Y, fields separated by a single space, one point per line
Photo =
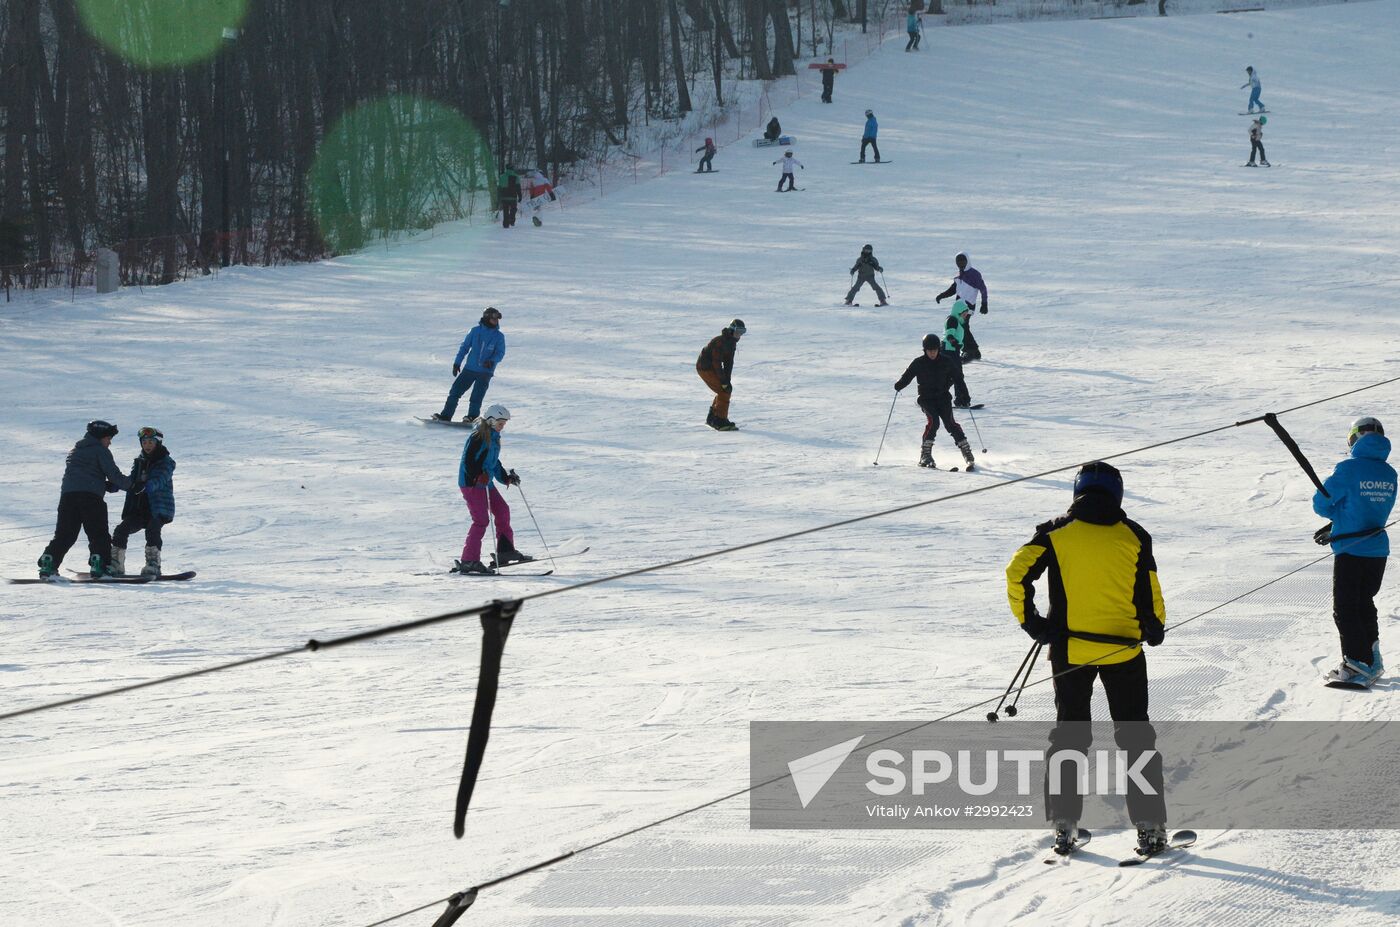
x=90 y=468
x=157 y=471
x=509 y=187
x=718 y=355
x=935 y=377
x=828 y=78
x=866 y=265
x=774 y=130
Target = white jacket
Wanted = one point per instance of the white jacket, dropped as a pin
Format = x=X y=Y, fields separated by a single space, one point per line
x=788 y=164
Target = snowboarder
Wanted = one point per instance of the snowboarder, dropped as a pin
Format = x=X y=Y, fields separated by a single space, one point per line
x=867 y=137
x=476 y=361
x=1256 y=141
x=508 y=191
x=89 y=473
x=476 y=475
x=540 y=186
x=1359 y=498
x=1253 y=84
x=1103 y=585
x=709 y=149
x=788 y=162
x=774 y=130
x=934 y=374
x=828 y=79
x=914 y=25
x=716 y=367
x=954 y=333
x=967 y=285
x=864 y=268
x=150 y=503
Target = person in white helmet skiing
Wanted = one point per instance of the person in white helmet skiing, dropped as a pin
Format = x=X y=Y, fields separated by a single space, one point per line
x=477 y=473
x=789 y=163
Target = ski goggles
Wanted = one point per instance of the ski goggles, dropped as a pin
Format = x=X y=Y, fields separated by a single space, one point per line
x=150 y=434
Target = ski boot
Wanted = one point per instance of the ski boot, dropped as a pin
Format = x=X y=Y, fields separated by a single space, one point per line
x=118 y=564
x=969 y=358
x=472 y=568
x=152 y=567
x=926 y=455
x=885 y=303
x=506 y=554
x=1065 y=834
x=849 y=303
x=1377 y=665
x=1151 y=839
x=98 y=567
x=967 y=454
x=47 y=567
x=1251 y=164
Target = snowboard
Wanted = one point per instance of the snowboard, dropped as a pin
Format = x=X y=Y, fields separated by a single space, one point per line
x=886 y=161
x=1179 y=841
x=818 y=66
x=454 y=423
x=770 y=143
x=1270 y=164
x=791 y=190
x=164 y=577
x=705 y=172
x=1258 y=112
x=82 y=578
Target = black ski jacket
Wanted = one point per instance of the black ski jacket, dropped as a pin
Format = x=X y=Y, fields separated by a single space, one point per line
x=865 y=267
x=935 y=377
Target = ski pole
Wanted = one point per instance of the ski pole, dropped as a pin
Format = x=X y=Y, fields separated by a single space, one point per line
x=887 y=428
x=1025 y=680
x=547 y=552
x=886 y=285
x=992 y=715
x=975 y=428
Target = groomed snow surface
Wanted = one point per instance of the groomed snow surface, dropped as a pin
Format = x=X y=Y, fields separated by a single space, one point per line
x=1144 y=285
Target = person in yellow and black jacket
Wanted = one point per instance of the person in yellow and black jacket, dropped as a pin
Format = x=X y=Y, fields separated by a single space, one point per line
x=1105 y=602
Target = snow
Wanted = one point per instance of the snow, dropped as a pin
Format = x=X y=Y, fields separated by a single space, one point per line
x=1143 y=286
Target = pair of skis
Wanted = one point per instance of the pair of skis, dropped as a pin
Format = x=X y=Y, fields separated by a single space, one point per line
x=1179 y=841
x=495 y=567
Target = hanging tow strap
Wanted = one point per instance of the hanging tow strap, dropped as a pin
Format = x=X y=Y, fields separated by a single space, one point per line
x=495 y=626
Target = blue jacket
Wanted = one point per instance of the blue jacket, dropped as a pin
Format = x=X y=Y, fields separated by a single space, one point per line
x=159 y=495
x=871 y=127
x=90 y=468
x=911 y=23
x=1362 y=491
x=481 y=456
x=481 y=345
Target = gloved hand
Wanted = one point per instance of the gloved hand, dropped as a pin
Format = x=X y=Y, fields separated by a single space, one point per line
x=512 y=478
x=1039 y=629
x=456 y=369
x=488 y=364
x=482 y=480
x=165 y=519
x=1323 y=535
x=983 y=310
x=896 y=387
x=938 y=299
x=727 y=387
x=138 y=487
x=1153 y=633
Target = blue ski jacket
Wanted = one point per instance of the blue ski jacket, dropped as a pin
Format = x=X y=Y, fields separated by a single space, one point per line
x=484 y=347
x=1362 y=491
x=158 y=471
x=481 y=456
x=871 y=127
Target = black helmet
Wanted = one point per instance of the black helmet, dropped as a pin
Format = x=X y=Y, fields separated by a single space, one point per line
x=737 y=327
x=100 y=429
x=1098 y=476
x=870 y=112
x=931 y=341
x=867 y=249
x=491 y=311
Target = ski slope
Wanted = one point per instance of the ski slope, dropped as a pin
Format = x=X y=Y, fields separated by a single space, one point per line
x=1143 y=285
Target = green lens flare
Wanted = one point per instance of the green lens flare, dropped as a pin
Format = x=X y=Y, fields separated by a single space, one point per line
x=161 y=33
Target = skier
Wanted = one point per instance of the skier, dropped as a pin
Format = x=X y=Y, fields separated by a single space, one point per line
x=709 y=148
x=828 y=79
x=774 y=130
x=508 y=190
x=864 y=269
x=934 y=375
x=968 y=284
x=482 y=349
x=1359 y=498
x=788 y=162
x=479 y=468
x=1103 y=585
x=868 y=136
x=88 y=474
x=540 y=186
x=152 y=509
x=716 y=367
x=954 y=334
x=914 y=25
x=1256 y=141
x=1253 y=84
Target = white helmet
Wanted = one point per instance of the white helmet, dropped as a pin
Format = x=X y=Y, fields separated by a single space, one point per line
x=498 y=412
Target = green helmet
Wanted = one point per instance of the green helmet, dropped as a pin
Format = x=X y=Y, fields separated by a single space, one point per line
x=1263 y=120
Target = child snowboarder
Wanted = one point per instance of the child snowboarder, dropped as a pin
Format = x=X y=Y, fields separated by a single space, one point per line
x=968 y=285
x=151 y=509
x=480 y=467
x=88 y=474
x=709 y=148
x=914 y=25
x=934 y=375
x=716 y=367
x=788 y=162
x=828 y=79
x=1256 y=142
x=867 y=137
x=482 y=349
x=508 y=191
x=1359 y=497
x=954 y=333
x=864 y=268
x=1253 y=84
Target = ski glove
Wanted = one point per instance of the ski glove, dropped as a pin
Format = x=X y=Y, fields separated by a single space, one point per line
x=488 y=364
x=938 y=299
x=1153 y=633
x=512 y=479
x=984 y=309
x=138 y=487
x=456 y=369
x=1040 y=629
x=1323 y=535
x=482 y=480
x=727 y=387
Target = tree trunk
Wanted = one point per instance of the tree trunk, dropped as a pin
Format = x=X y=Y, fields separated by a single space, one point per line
x=678 y=63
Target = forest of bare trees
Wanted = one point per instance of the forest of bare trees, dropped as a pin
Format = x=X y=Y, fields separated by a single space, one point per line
x=189 y=135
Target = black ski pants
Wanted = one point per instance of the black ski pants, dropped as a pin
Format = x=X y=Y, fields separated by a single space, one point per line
x=913 y=42
x=133 y=523
x=871 y=143
x=705 y=165
x=828 y=82
x=87 y=511
x=1125 y=684
x=936 y=409
x=788 y=179
x=508 y=209
x=1355 y=582
x=960 y=393
x=970 y=349
x=862 y=280
x=1256 y=147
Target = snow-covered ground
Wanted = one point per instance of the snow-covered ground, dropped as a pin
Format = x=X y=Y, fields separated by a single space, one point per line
x=1143 y=285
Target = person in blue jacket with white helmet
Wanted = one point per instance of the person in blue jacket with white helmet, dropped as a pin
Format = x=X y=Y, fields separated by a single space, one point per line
x=1358 y=498
x=476 y=361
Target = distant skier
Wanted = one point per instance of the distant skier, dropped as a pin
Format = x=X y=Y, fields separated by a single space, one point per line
x=954 y=335
x=508 y=191
x=828 y=79
x=864 y=270
x=1359 y=499
x=716 y=367
x=1256 y=142
x=540 y=186
x=89 y=473
x=153 y=471
x=967 y=285
x=914 y=25
x=934 y=375
x=709 y=149
x=774 y=130
x=1253 y=84
x=872 y=128
x=788 y=162
x=479 y=468
x=475 y=364
x=1103 y=584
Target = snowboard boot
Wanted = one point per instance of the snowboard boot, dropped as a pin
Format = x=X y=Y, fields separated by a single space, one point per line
x=1151 y=839
x=472 y=568
x=152 y=567
x=926 y=455
x=118 y=566
x=1065 y=833
x=1350 y=674
x=98 y=567
x=849 y=303
x=468 y=419
x=963 y=405
x=1251 y=164
x=712 y=420
x=47 y=567
x=1265 y=164
x=1377 y=665
x=724 y=424
x=506 y=554
x=439 y=417
x=967 y=453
